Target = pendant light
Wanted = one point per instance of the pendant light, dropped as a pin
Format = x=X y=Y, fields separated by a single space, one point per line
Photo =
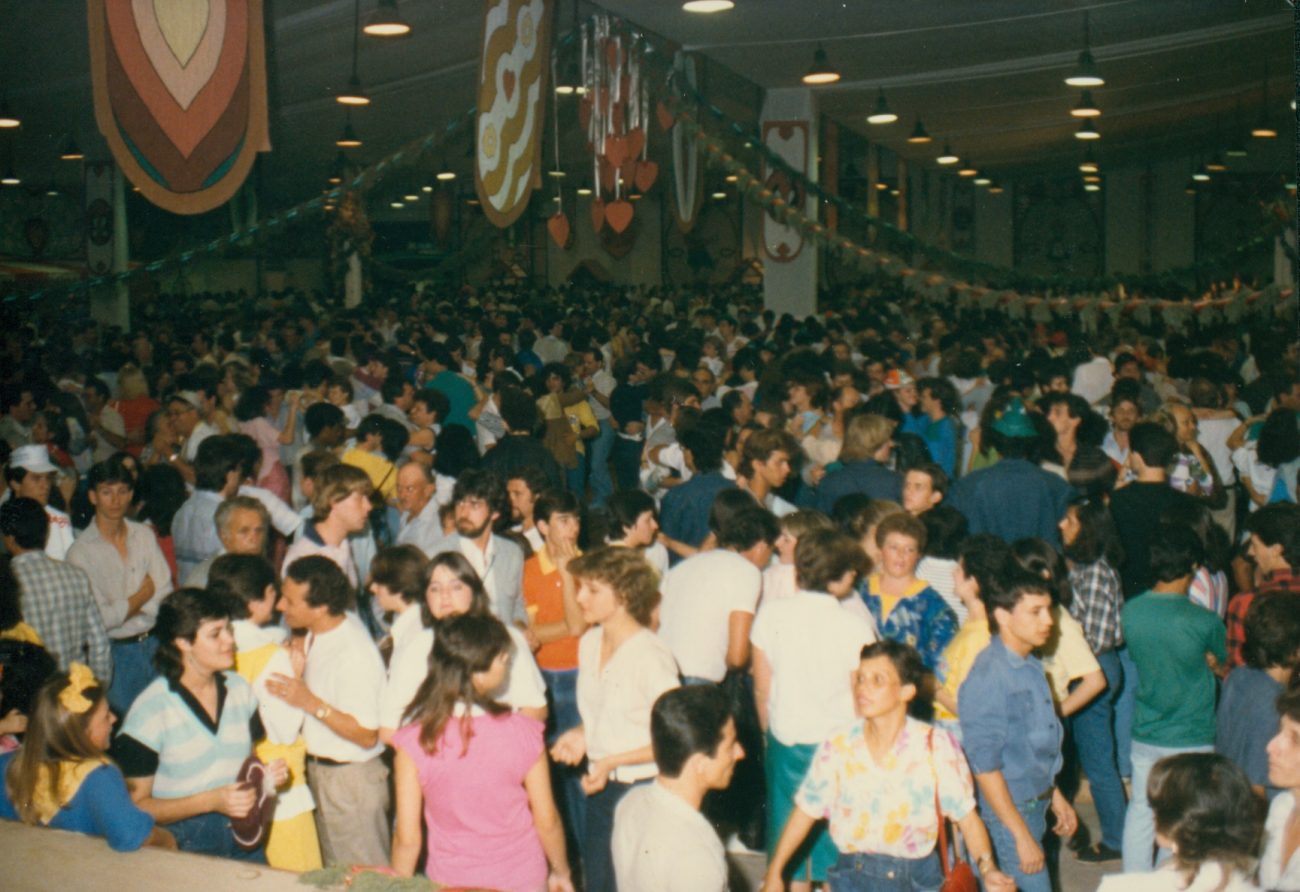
x=1216 y=164
x=948 y=156
x=995 y=188
x=881 y=114
x=1085 y=72
x=1085 y=108
x=354 y=94
x=8 y=120
x=708 y=7
x=386 y=21
x=1087 y=131
x=1201 y=175
x=445 y=174
x=919 y=134
x=822 y=71
x=968 y=169
x=1089 y=163
x=1263 y=129
x=348 y=139
x=71 y=151
x=983 y=179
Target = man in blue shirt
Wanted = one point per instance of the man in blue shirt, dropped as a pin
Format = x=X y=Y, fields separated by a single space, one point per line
x=1010 y=731
x=1014 y=498
x=684 y=514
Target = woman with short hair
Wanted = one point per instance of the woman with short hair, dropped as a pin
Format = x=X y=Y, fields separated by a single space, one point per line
x=1207 y=815
x=189 y=732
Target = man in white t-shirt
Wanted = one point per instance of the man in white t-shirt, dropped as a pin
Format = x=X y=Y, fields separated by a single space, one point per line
x=661 y=841
x=709 y=599
x=339 y=691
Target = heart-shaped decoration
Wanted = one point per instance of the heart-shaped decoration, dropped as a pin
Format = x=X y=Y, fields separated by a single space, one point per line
x=606 y=176
x=558 y=226
x=182 y=26
x=666 y=119
x=619 y=215
x=646 y=174
x=611 y=54
x=616 y=150
x=635 y=142
x=597 y=214
x=627 y=173
x=508 y=84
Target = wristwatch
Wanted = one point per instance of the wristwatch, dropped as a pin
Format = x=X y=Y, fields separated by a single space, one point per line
x=322 y=712
x=984 y=863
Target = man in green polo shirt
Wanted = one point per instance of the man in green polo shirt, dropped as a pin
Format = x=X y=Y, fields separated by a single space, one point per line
x=1171 y=640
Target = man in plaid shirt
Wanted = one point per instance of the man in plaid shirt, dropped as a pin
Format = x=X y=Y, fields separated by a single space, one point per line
x=1275 y=549
x=56 y=597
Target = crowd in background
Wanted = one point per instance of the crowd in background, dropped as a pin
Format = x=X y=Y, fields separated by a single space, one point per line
x=581 y=588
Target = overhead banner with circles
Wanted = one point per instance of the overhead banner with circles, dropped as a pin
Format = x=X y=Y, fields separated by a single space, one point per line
x=512 y=88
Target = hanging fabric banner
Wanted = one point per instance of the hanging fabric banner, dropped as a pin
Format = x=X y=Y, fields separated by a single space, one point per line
x=180 y=95
x=788 y=140
x=512 y=88
x=99 y=218
x=688 y=172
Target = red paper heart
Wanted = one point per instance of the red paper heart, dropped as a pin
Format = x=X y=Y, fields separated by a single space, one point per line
x=616 y=150
x=616 y=116
x=508 y=84
x=597 y=214
x=558 y=226
x=666 y=119
x=646 y=174
x=606 y=176
x=619 y=214
x=628 y=171
x=635 y=142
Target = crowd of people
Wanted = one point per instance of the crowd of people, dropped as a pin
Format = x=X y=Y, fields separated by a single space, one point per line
x=581 y=589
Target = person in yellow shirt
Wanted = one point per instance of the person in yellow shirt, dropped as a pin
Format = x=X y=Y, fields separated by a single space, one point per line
x=379 y=444
x=978 y=560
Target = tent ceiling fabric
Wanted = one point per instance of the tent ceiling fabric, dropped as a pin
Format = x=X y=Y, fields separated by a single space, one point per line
x=987 y=75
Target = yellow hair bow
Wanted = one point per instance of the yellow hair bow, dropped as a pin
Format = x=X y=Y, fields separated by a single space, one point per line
x=73 y=697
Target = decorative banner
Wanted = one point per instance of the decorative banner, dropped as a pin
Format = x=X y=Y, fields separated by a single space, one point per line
x=511 y=105
x=99 y=218
x=788 y=140
x=688 y=172
x=180 y=95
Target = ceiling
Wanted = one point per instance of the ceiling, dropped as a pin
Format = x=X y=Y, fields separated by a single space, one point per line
x=985 y=74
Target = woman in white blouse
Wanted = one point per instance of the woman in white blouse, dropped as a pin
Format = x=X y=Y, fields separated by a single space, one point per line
x=623 y=667
x=1280 y=866
x=398 y=579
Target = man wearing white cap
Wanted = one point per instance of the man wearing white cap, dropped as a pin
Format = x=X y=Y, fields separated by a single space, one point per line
x=30 y=474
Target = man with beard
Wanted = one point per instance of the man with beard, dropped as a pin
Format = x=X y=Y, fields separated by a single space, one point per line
x=479 y=501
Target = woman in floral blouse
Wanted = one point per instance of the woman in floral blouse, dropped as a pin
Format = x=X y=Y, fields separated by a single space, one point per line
x=875 y=782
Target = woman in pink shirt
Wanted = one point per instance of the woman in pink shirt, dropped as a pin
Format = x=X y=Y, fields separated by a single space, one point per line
x=478 y=771
x=251 y=411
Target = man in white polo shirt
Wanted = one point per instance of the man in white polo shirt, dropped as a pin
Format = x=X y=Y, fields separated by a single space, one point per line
x=339 y=691
x=30 y=475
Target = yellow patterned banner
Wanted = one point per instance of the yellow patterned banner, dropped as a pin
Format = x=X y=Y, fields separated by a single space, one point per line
x=511 y=105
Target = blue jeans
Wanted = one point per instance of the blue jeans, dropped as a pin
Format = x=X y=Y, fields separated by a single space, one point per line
x=575 y=478
x=597 y=856
x=1125 y=706
x=1139 y=822
x=132 y=672
x=1034 y=813
x=562 y=697
x=209 y=834
x=598 y=450
x=864 y=872
x=1094 y=744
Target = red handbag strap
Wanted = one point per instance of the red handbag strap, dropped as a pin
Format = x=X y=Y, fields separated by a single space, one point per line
x=938 y=810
